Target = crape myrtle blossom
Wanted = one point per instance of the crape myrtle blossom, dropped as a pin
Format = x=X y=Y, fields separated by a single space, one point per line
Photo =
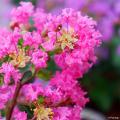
x=31 y=92
x=60 y=87
x=39 y=59
x=28 y=54
x=67 y=113
x=107 y=21
x=8 y=41
x=6 y=93
x=18 y=115
x=80 y=51
x=9 y=73
x=57 y=92
x=34 y=39
x=22 y=13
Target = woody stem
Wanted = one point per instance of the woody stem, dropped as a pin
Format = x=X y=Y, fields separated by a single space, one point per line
x=13 y=102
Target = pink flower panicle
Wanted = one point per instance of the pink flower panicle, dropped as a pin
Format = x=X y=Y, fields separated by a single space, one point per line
x=39 y=59
x=10 y=73
x=18 y=115
x=22 y=13
x=27 y=52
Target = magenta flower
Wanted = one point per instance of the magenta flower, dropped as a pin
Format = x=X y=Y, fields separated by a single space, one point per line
x=22 y=13
x=9 y=73
x=39 y=59
x=31 y=92
x=5 y=95
x=18 y=115
x=32 y=39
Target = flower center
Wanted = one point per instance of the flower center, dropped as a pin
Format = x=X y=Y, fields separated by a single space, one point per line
x=19 y=58
x=67 y=39
x=43 y=113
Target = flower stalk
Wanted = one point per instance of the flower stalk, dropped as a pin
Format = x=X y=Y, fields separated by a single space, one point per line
x=12 y=104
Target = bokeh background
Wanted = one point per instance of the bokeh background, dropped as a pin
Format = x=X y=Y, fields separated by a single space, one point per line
x=103 y=81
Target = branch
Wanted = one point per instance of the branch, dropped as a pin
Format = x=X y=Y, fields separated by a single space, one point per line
x=13 y=102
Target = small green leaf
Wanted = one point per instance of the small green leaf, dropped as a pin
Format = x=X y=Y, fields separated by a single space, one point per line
x=7 y=58
x=26 y=68
x=40 y=100
x=44 y=74
x=31 y=21
x=27 y=109
x=27 y=48
x=52 y=66
x=3 y=113
x=1 y=80
x=20 y=42
x=26 y=77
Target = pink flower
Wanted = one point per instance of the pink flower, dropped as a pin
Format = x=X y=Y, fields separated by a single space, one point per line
x=49 y=45
x=62 y=113
x=32 y=39
x=78 y=39
x=22 y=13
x=69 y=15
x=5 y=95
x=67 y=113
x=8 y=41
x=39 y=59
x=75 y=113
x=32 y=91
x=10 y=73
x=53 y=94
x=60 y=87
x=18 y=115
x=40 y=19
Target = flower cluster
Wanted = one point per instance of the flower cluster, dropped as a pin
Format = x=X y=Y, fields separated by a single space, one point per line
x=107 y=21
x=39 y=47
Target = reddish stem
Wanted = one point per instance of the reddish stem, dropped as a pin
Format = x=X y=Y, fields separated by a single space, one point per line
x=16 y=94
x=13 y=102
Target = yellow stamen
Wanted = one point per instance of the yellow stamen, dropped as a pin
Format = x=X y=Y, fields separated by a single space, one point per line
x=19 y=59
x=43 y=113
x=67 y=39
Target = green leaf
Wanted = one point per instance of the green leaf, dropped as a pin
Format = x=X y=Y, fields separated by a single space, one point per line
x=3 y=113
x=44 y=74
x=52 y=66
x=31 y=21
x=27 y=109
x=26 y=68
x=20 y=42
x=40 y=100
x=27 y=75
x=27 y=48
x=56 y=51
x=1 y=79
x=7 y=58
